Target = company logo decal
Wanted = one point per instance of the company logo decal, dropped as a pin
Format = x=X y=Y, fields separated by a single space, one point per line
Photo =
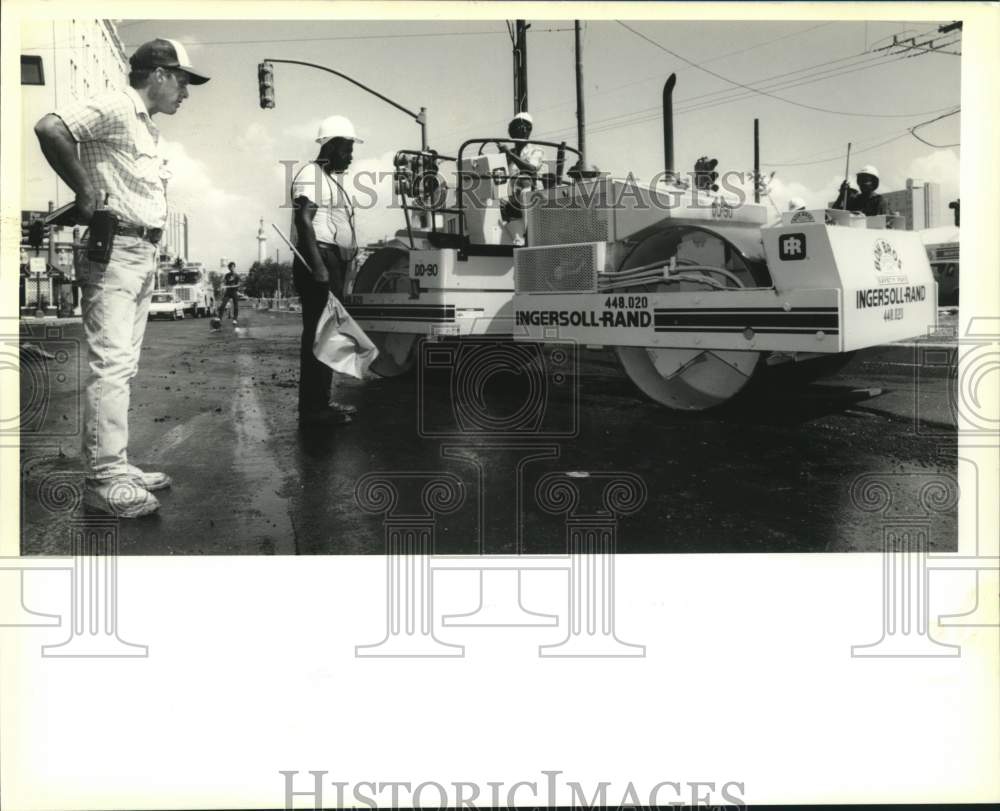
x=792 y=247
x=887 y=261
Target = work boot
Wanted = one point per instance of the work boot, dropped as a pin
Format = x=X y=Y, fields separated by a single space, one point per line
x=121 y=496
x=149 y=481
x=325 y=416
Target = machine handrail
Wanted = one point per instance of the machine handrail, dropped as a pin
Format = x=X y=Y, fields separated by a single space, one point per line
x=459 y=208
x=494 y=140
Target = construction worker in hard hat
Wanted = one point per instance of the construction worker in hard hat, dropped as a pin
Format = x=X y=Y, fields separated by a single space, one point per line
x=524 y=162
x=324 y=235
x=525 y=157
x=865 y=201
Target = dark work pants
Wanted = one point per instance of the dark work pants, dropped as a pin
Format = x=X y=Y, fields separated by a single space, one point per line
x=236 y=305
x=315 y=377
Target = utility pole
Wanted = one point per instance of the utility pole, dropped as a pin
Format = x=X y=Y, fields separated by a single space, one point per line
x=581 y=138
x=520 y=66
x=756 y=160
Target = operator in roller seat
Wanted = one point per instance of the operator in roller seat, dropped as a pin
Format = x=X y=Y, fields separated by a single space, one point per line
x=865 y=201
x=524 y=162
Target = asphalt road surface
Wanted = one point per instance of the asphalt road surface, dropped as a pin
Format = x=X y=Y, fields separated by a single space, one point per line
x=783 y=470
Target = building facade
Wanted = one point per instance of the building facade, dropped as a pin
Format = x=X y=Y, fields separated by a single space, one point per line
x=919 y=203
x=63 y=61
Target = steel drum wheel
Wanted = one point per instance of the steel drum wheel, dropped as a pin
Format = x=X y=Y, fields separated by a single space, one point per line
x=387 y=271
x=683 y=379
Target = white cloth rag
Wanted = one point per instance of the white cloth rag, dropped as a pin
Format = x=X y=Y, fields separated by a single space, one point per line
x=340 y=343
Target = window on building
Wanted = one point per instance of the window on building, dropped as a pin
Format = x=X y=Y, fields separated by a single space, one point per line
x=31 y=70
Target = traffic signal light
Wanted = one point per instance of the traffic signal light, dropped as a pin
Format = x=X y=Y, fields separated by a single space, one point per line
x=36 y=234
x=704 y=174
x=265 y=75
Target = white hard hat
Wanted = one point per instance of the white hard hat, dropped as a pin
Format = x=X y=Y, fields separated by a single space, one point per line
x=869 y=170
x=796 y=204
x=337 y=126
x=526 y=116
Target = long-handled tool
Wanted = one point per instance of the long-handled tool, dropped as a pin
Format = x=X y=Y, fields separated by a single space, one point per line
x=288 y=242
x=846 y=185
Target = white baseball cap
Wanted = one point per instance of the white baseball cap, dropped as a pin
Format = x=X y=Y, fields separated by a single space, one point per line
x=337 y=126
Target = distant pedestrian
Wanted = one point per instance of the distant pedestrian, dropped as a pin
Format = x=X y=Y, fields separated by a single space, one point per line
x=119 y=180
x=230 y=292
x=323 y=225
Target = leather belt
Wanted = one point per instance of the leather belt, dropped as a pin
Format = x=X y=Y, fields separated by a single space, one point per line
x=152 y=235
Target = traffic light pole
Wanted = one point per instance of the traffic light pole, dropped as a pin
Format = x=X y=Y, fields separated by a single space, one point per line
x=420 y=118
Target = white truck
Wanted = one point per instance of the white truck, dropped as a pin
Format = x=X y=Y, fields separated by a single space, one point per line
x=192 y=287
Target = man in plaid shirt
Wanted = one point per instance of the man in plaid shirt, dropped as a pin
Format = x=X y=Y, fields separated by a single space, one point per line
x=118 y=167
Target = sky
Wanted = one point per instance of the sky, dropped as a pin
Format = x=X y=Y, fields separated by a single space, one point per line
x=820 y=85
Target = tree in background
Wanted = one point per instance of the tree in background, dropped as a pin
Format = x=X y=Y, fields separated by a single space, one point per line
x=215 y=278
x=262 y=279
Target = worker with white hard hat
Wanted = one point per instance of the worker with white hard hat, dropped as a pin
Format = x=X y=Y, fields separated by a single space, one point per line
x=337 y=126
x=522 y=156
x=323 y=228
x=865 y=201
x=524 y=162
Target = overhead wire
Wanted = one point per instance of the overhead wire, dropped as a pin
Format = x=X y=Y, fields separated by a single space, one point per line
x=895 y=137
x=360 y=37
x=697 y=100
x=781 y=81
x=659 y=76
x=699 y=103
x=913 y=131
x=755 y=90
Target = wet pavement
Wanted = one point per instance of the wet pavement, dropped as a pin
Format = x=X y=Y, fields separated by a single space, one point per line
x=774 y=472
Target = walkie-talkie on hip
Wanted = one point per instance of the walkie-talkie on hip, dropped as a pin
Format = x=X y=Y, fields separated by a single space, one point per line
x=101 y=237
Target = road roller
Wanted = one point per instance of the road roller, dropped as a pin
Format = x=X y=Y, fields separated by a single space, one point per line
x=695 y=288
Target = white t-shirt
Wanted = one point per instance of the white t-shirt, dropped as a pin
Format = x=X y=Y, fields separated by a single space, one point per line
x=532 y=154
x=334 y=212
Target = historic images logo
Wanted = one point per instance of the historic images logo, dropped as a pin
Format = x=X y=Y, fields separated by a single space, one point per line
x=888 y=265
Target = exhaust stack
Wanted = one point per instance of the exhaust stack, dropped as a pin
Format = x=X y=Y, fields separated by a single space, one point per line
x=668 y=125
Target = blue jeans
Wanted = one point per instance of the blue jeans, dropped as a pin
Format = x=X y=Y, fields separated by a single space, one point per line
x=115 y=304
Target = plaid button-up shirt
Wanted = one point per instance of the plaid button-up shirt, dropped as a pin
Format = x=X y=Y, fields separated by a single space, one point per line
x=119 y=150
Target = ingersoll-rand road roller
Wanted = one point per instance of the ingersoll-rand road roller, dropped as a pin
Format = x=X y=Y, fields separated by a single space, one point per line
x=693 y=288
